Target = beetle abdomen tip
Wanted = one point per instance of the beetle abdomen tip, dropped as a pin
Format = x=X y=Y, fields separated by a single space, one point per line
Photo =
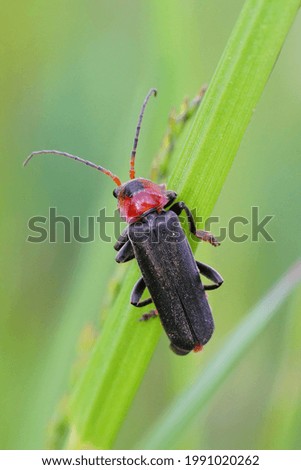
x=178 y=351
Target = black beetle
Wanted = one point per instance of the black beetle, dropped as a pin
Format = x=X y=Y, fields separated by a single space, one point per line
x=156 y=239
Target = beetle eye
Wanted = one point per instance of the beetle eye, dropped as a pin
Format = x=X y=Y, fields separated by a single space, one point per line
x=115 y=193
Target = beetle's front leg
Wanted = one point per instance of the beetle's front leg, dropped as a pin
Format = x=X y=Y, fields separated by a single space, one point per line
x=125 y=253
x=177 y=208
x=123 y=238
x=124 y=248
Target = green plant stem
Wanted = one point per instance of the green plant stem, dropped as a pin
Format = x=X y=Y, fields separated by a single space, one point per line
x=121 y=355
x=169 y=428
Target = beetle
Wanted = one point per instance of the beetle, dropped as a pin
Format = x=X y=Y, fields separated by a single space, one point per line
x=155 y=238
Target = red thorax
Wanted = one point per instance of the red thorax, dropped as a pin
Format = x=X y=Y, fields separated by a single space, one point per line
x=138 y=196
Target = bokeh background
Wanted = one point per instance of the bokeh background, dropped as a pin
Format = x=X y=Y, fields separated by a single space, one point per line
x=73 y=77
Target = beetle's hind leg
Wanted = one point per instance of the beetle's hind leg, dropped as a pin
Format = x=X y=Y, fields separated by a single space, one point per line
x=211 y=274
x=137 y=292
x=147 y=316
x=136 y=295
x=178 y=207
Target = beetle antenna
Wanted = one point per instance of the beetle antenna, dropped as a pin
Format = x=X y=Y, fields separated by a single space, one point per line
x=74 y=157
x=152 y=91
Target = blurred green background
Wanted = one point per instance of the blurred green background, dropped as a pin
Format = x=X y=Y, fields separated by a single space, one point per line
x=73 y=77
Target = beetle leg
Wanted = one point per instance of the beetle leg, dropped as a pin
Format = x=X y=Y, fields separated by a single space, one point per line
x=172 y=196
x=136 y=295
x=137 y=292
x=147 y=316
x=207 y=237
x=211 y=274
x=125 y=253
x=177 y=208
x=123 y=238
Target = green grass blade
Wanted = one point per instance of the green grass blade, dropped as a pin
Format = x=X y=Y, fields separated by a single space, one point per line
x=119 y=360
x=281 y=429
x=233 y=94
x=170 y=427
